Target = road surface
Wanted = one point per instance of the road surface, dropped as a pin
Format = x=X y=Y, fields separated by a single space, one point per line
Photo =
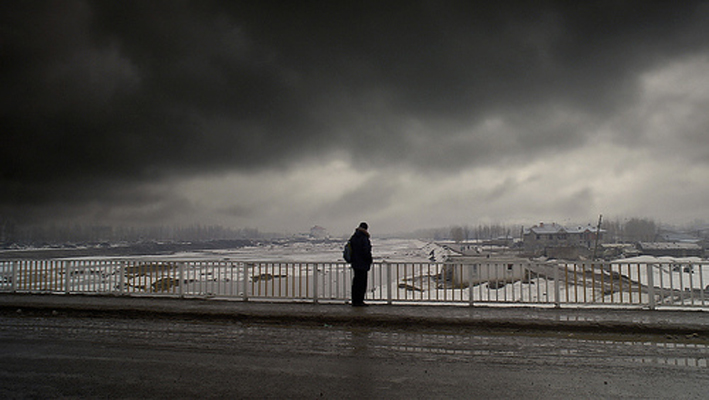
x=58 y=356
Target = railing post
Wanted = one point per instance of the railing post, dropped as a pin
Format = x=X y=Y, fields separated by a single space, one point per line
x=245 y=279
x=387 y=266
x=701 y=282
x=691 y=282
x=181 y=274
x=15 y=274
x=557 y=291
x=470 y=284
x=68 y=271
x=316 y=294
x=122 y=277
x=650 y=286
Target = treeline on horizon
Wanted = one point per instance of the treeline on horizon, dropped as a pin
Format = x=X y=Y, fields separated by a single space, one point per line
x=628 y=230
x=614 y=231
x=78 y=233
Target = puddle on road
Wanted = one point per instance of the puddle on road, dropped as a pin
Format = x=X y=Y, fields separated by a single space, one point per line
x=677 y=361
x=692 y=355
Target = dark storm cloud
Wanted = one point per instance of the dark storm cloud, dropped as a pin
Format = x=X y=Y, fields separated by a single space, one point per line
x=100 y=94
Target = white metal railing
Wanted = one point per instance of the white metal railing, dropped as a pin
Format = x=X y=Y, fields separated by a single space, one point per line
x=620 y=284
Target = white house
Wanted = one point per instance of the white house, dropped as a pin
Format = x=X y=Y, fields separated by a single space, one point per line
x=544 y=236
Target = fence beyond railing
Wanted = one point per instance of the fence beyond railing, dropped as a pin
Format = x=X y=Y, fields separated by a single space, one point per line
x=619 y=284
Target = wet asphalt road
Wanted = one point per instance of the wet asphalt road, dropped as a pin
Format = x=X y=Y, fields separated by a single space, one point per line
x=59 y=356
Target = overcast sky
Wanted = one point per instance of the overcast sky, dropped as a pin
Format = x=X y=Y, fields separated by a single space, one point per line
x=284 y=115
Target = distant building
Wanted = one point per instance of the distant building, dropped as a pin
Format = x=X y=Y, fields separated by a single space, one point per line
x=678 y=237
x=318 y=232
x=555 y=240
x=671 y=249
x=612 y=251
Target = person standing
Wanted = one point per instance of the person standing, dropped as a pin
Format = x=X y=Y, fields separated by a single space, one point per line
x=361 y=263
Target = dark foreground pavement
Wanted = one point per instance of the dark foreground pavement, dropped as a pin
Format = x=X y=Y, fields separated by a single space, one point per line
x=416 y=316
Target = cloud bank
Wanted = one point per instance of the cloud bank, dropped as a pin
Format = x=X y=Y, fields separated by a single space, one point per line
x=405 y=114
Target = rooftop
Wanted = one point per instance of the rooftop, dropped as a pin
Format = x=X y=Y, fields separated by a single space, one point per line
x=543 y=228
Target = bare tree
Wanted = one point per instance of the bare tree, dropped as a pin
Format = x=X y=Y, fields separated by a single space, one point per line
x=457 y=234
x=640 y=230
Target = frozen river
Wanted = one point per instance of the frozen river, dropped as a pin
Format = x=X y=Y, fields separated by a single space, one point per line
x=409 y=250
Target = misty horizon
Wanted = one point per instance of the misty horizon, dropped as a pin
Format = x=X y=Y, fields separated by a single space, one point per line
x=77 y=233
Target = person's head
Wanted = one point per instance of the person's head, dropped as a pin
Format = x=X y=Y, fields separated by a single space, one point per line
x=363 y=225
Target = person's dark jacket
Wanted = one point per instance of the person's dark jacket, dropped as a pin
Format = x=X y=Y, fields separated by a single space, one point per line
x=361 y=250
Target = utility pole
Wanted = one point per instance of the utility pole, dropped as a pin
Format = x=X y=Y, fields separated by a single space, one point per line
x=598 y=235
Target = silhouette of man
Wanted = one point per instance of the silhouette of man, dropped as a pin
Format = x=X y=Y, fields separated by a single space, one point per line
x=361 y=263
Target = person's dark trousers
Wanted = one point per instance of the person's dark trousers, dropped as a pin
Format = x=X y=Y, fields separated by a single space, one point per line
x=359 y=286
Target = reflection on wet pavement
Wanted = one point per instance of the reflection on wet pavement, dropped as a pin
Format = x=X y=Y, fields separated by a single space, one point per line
x=360 y=344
